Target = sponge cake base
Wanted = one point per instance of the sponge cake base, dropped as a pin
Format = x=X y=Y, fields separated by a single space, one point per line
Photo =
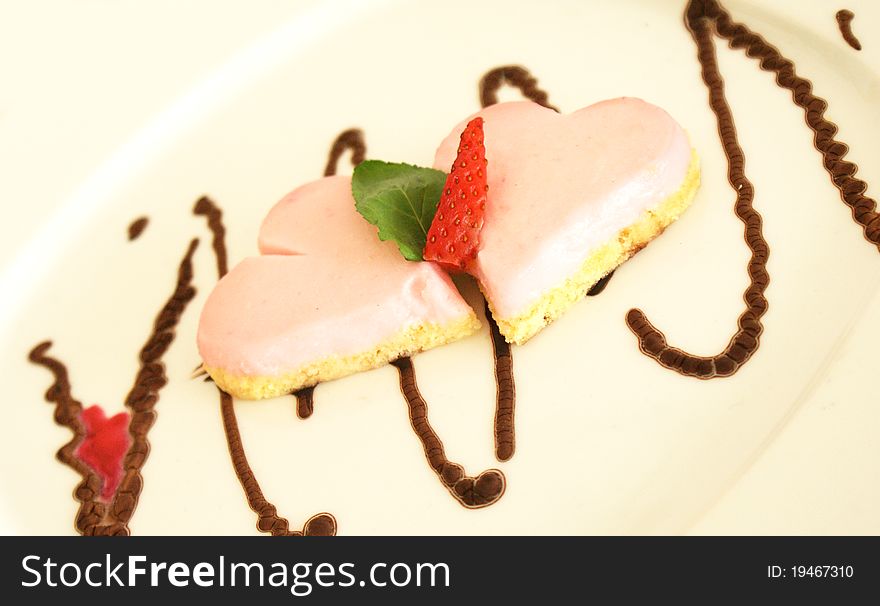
x=600 y=262
x=408 y=341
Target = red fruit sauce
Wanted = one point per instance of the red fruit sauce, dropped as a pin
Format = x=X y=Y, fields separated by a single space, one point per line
x=104 y=446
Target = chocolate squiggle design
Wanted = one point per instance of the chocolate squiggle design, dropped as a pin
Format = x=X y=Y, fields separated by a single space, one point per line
x=92 y=512
x=94 y=516
x=268 y=520
x=745 y=341
x=207 y=208
x=842 y=173
x=505 y=400
x=351 y=139
x=472 y=492
x=505 y=439
x=322 y=524
x=505 y=429
x=137 y=227
x=144 y=394
x=700 y=18
x=514 y=75
x=844 y=22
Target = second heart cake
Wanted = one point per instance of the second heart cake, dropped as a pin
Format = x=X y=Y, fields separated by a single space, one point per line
x=571 y=197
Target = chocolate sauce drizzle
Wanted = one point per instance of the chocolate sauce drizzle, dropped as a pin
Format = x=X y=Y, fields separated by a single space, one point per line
x=744 y=343
x=505 y=399
x=844 y=22
x=351 y=139
x=322 y=524
x=598 y=287
x=701 y=16
x=305 y=402
x=513 y=75
x=137 y=227
x=92 y=512
x=268 y=520
x=842 y=173
x=472 y=492
x=505 y=435
x=207 y=208
x=94 y=516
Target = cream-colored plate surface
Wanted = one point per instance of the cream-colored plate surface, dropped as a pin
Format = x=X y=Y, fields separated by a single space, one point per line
x=112 y=111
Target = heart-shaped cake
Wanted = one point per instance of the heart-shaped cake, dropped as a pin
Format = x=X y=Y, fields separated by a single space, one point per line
x=548 y=203
x=571 y=197
x=324 y=300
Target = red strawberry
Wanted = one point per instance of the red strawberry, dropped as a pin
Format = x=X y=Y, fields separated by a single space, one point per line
x=454 y=235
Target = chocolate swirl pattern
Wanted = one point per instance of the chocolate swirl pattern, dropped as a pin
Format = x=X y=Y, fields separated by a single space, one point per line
x=745 y=341
x=94 y=516
x=505 y=429
x=144 y=394
x=351 y=140
x=505 y=439
x=505 y=400
x=206 y=207
x=844 y=22
x=701 y=17
x=842 y=172
x=472 y=492
x=514 y=75
x=92 y=512
x=268 y=520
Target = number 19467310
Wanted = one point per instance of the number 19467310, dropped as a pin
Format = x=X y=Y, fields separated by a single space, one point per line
x=814 y=571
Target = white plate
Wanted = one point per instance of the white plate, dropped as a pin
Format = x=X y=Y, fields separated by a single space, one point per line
x=607 y=441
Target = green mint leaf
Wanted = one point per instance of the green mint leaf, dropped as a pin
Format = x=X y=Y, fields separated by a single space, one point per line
x=399 y=199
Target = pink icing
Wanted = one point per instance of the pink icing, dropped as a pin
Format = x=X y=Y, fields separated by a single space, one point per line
x=562 y=185
x=324 y=285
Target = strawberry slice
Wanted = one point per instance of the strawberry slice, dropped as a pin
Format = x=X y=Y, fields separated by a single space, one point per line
x=454 y=235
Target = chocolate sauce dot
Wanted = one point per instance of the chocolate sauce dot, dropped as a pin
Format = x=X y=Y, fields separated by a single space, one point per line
x=844 y=22
x=137 y=227
x=321 y=525
x=489 y=483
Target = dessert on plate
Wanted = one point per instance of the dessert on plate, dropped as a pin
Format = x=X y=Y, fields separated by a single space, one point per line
x=537 y=205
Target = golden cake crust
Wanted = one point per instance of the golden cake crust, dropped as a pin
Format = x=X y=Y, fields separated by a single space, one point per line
x=602 y=261
x=411 y=340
